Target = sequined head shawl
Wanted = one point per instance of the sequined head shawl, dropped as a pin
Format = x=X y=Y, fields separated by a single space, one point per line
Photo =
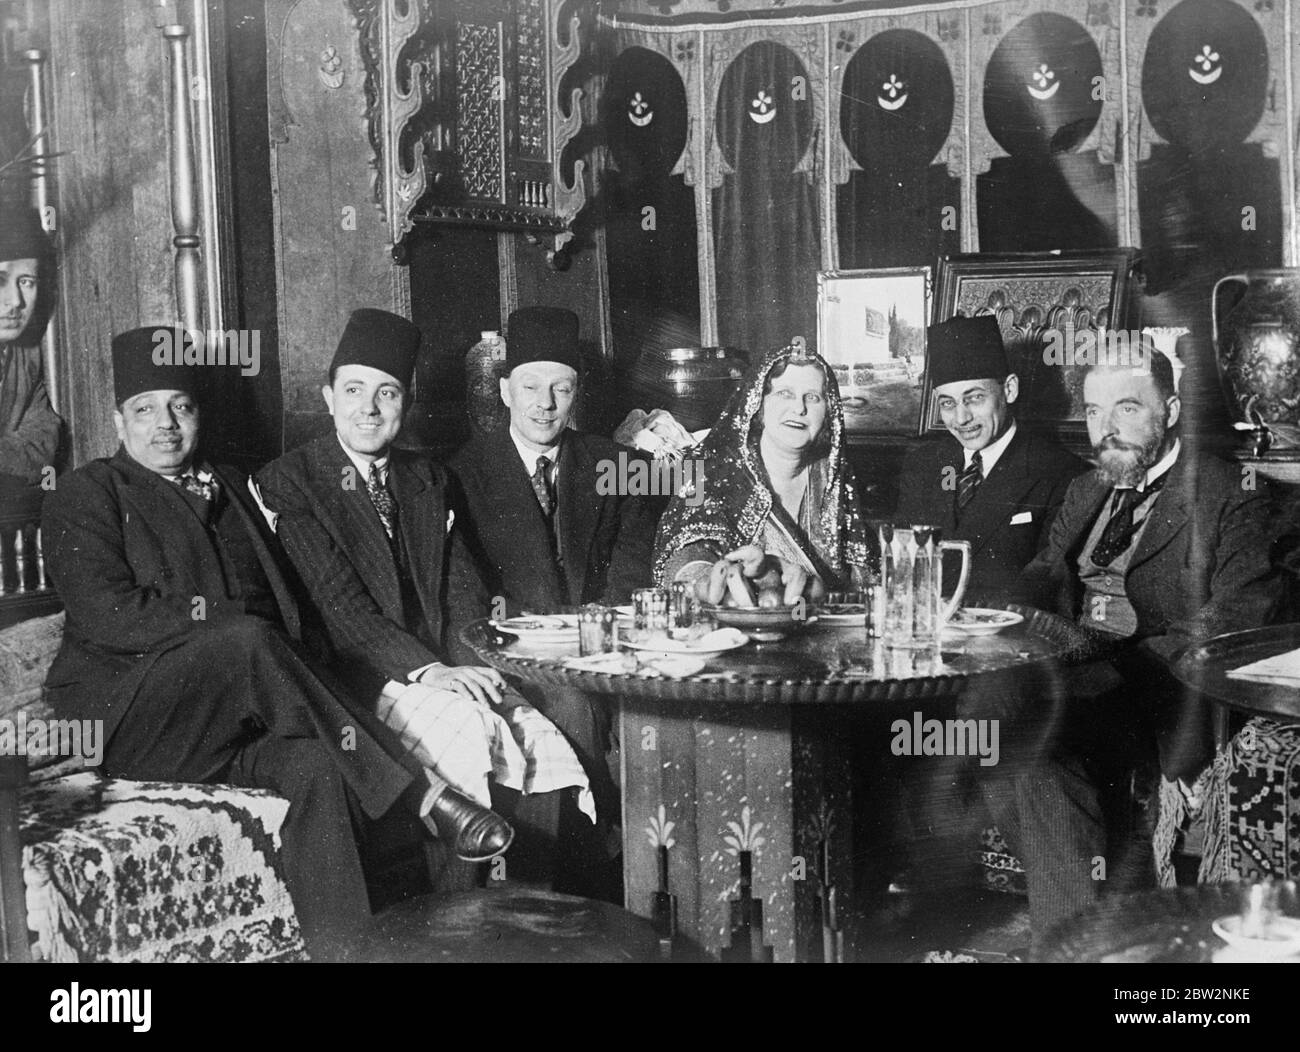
x=737 y=497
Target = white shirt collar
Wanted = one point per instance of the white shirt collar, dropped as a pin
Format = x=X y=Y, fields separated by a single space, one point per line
x=363 y=465
x=529 y=456
x=989 y=454
x=1161 y=466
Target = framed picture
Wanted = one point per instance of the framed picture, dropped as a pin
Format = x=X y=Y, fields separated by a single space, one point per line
x=871 y=329
x=1051 y=308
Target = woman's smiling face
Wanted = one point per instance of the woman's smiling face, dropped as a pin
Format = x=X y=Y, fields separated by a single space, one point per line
x=794 y=407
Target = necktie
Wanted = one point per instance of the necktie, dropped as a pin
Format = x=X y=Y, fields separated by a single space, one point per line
x=193 y=484
x=382 y=500
x=1119 y=531
x=969 y=481
x=542 y=486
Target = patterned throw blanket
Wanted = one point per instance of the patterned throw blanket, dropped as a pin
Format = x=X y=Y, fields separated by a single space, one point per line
x=117 y=870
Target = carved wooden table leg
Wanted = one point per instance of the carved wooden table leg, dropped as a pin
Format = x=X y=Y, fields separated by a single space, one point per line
x=752 y=804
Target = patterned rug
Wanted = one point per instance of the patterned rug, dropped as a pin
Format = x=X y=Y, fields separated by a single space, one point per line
x=117 y=870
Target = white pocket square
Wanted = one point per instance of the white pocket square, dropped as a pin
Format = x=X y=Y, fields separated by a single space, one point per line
x=451 y=518
x=1024 y=516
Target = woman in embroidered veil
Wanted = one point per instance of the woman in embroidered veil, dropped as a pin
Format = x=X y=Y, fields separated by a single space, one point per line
x=775 y=490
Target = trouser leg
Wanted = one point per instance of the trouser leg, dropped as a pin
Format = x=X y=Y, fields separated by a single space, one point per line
x=239 y=704
x=321 y=865
x=1050 y=815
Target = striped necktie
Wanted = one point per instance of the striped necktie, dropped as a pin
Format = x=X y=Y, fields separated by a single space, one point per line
x=969 y=481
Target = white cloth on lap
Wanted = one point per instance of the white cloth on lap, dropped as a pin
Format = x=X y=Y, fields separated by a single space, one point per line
x=465 y=743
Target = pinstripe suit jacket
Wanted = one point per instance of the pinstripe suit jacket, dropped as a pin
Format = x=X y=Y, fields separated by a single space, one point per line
x=334 y=536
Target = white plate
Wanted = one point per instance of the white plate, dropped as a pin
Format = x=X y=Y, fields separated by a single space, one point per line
x=712 y=645
x=1281 y=940
x=990 y=621
x=541 y=628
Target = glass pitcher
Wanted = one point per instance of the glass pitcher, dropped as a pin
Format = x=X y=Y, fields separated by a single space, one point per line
x=911 y=575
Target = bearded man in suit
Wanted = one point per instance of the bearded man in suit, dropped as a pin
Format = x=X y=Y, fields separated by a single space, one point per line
x=372 y=530
x=544 y=529
x=184 y=637
x=1158 y=548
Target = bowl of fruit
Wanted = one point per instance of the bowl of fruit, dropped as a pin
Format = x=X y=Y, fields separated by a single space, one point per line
x=757 y=607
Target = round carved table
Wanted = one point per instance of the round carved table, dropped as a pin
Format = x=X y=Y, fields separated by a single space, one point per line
x=737 y=781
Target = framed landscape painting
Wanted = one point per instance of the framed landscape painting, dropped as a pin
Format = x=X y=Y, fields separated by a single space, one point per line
x=871 y=329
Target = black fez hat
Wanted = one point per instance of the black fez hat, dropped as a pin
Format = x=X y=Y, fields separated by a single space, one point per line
x=380 y=339
x=542 y=334
x=153 y=358
x=966 y=349
x=21 y=233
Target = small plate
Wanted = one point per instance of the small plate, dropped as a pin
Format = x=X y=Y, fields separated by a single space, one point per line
x=1281 y=938
x=712 y=645
x=981 y=621
x=541 y=628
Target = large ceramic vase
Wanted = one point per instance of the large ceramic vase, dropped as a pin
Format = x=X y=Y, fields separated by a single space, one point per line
x=692 y=383
x=1256 y=316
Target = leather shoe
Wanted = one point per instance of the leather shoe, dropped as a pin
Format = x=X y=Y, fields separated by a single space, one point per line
x=476 y=834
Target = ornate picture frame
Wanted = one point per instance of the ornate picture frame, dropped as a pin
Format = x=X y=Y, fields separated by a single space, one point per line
x=1051 y=307
x=871 y=329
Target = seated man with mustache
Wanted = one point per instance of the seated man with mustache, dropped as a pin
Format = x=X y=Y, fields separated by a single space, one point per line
x=1161 y=546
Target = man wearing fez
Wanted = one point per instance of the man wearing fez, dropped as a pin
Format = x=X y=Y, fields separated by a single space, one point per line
x=372 y=530
x=994 y=484
x=183 y=637
x=29 y=428
x=544 y=533
x=1157 y=548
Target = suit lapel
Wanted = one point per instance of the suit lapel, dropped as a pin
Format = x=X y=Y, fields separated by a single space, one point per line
x=1006 y=484
x=255 y=524
x=1169 y=515
x=526 y=548
x=342 y=491
x=577 y=499
x=1092 y=495
x=422 y=536
x=159 y=505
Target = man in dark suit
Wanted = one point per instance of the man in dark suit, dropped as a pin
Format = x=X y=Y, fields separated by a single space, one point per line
x=997 y=485
x=183 y=637
x=1159 y=547
x=372 y=531
x=547 y=534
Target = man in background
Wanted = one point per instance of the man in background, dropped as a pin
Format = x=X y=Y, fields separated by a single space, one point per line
x=29 y=427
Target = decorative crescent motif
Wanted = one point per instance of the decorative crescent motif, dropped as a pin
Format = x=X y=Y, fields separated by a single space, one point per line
x=1044 y=77
x=1209 y=71
x=897 y=92
x=639 y=111
x=762 y=109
